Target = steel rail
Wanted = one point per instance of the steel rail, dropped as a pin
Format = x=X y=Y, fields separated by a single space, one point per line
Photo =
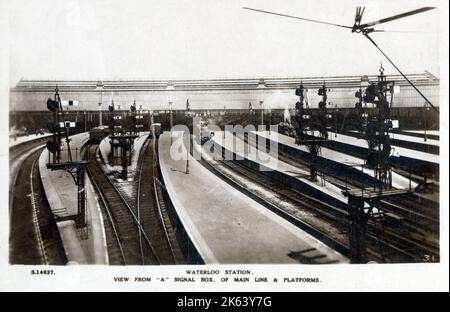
x=157 y=199
x=136 y=221
x=400 y=247
x=110 y=217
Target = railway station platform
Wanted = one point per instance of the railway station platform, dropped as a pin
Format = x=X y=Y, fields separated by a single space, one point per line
x=398 y=151
x=409 y=161
x=281 y=170
x=225 y=225
x=85 y=245
x=413 y=139
x=339 y=160
x=404 y=136
x=432 y=132
x=409 y=141
x=26 y=138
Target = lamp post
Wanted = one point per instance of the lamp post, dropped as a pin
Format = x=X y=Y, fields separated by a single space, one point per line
x=262 y=111
x=170 y=96
x=261 y=86
x=188 y=143
x=170 y=121
x=100 y=114
x=336 y=110
x=270 y=117
x=187 y=153
x=425 y=115
x=152 y=129
x=224 y=126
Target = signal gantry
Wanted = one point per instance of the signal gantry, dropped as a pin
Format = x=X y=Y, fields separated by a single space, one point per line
x=364 y=203
x=121 y=140
x=306 y=124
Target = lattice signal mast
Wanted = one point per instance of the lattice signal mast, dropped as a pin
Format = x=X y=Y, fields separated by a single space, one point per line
x=364 y=203
x=76 y=168
x=306 y=124
x=377 y=130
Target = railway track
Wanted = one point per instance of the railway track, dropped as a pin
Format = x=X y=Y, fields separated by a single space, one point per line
x=421 y=215
x=153 y=214
x=384 y=244
x=337 y=241
x=124 y=245
x=34 y=236
x=21 y=148
x=18 y=153
x=137 y=231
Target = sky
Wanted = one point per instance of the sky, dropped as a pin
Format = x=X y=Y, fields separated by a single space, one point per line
x=206 y=39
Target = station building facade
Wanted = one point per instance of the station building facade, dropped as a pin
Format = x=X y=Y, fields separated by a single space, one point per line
x=218 y=95
x=276 y=93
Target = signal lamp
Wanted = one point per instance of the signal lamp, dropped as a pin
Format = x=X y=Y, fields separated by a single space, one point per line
x=52 y=105
x=52 y=146
x=370 y=94
x=299 y=91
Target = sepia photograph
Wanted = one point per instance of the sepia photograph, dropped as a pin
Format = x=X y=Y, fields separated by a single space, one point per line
x=214 y=139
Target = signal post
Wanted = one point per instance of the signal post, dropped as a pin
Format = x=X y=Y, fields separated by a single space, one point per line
x=75 y=168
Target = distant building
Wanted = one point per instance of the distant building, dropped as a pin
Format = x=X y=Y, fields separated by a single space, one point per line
x=214 y=94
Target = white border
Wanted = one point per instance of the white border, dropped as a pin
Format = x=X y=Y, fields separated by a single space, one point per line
x=386 y=277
